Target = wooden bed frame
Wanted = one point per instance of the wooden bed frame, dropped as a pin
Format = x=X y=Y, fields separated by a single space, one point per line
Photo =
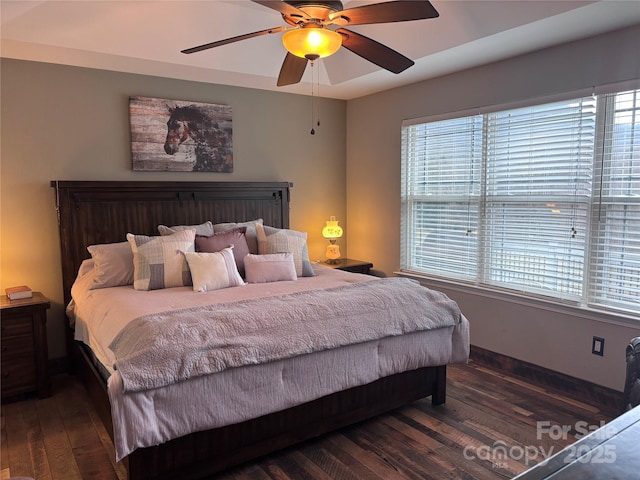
x=103 y=212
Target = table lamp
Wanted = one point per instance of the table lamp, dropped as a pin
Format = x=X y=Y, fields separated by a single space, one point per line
x=332 y=231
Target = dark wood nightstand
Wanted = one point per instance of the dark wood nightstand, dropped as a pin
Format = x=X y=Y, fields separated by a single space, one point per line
x=24 y=345
x=351 y=265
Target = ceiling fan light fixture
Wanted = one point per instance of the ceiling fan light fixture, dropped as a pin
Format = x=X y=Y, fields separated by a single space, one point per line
x=308 y=36
x=312 y=42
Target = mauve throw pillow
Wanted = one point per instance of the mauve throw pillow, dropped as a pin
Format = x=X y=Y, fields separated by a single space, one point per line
x=273 y=267
x=219 y=241
x=252 y=239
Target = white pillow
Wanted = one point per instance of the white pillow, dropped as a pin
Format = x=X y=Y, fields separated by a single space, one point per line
x=273 y=267
x=212 y=271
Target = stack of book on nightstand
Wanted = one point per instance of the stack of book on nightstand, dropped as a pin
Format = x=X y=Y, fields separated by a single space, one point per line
x=16 y=293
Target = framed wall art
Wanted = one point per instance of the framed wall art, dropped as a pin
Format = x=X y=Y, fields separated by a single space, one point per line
x=180 y=136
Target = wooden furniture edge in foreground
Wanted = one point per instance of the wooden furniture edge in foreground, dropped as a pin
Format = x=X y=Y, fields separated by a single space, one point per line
x=609 y=452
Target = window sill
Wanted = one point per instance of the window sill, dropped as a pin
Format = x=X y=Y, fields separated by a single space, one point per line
x=521 y=299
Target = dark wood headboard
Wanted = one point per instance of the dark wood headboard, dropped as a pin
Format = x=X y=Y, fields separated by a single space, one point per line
x=91 y=213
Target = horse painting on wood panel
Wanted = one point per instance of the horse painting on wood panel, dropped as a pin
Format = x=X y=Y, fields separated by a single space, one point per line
x=170 y=135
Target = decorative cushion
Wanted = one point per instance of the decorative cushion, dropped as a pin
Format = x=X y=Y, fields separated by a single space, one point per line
x=218 y=241
x=158 y=262
x=250 y=233
x=113 y=264
x=272 y=267
x=212 y=271
x=205 y=229
x=277 y=240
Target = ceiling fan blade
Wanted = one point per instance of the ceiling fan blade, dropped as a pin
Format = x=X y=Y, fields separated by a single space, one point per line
x=283 y=7
x=400 y=11
x=374 y=52
x=292 y=70
x=206 y=46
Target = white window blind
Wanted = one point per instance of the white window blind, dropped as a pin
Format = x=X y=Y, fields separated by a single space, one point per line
x=542 y=199
x=538 y=184
x=615 y=251
x=442 y=188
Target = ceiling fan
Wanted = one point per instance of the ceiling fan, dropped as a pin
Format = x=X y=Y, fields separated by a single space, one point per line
x=308 y=36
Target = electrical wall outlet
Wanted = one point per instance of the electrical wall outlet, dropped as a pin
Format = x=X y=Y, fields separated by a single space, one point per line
x=597 y=346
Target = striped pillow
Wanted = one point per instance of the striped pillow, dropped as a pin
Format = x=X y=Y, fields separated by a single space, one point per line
x=159 y=262
x=277 y=240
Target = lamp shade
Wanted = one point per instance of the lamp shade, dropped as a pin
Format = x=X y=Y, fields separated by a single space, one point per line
x=312 y=42
x=332 y=229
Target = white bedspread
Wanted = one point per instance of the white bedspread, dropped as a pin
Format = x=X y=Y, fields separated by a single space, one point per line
x=159 y=349
x=151 y=417
x=101 y=314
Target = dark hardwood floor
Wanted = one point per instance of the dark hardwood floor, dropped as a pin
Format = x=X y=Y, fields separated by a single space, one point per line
x=488 y=429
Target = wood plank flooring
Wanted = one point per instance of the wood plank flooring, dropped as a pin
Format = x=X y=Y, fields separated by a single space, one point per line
x=486 y=430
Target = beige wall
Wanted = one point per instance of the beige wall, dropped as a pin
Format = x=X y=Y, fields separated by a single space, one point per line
x=559 y=340
x=67 y=123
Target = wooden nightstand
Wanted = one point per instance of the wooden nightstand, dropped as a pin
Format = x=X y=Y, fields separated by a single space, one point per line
x=24 y=345
x=351 y=265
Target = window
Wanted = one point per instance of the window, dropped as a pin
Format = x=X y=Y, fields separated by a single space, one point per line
x=544 y=200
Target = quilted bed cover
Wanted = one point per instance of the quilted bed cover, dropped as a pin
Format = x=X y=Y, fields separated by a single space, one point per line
x=154 y=412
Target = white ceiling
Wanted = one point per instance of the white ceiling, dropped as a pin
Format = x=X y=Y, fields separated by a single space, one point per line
x=146 y=37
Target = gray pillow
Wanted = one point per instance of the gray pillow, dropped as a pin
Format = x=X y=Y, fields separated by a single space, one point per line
x=204 y=229
x=113 y=264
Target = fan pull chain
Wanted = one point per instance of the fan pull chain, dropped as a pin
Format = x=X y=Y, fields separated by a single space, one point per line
x=318 y=96
x=313 y=132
